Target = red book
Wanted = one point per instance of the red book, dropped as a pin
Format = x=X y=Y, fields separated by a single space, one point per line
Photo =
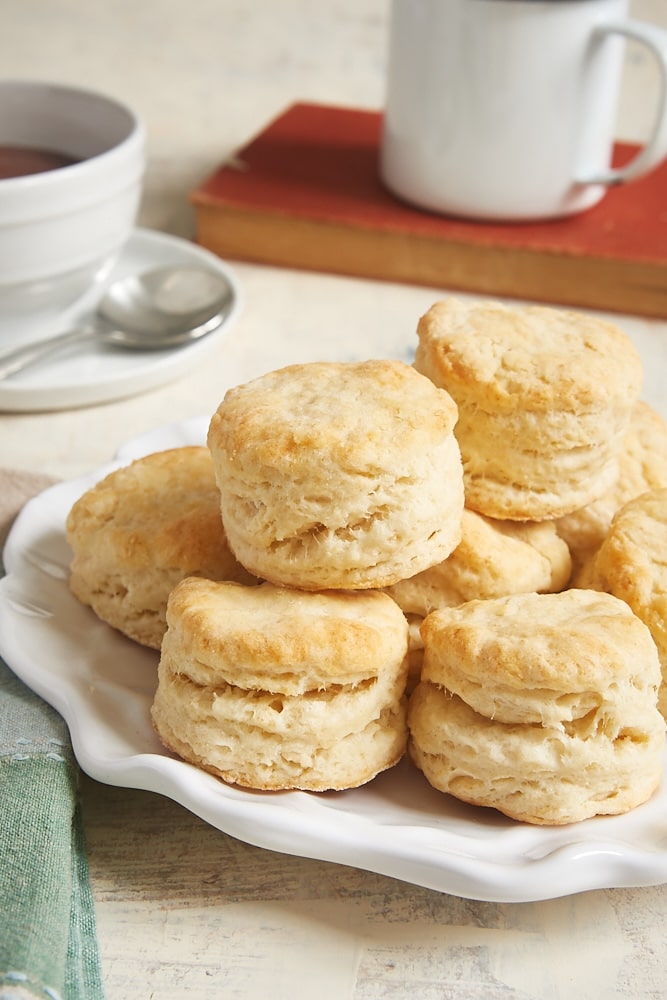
x=306 y=193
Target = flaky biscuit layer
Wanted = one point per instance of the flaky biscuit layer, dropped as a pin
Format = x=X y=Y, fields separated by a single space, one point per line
x=543 y=777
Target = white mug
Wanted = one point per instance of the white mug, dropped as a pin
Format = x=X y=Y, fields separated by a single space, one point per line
x=505 y=110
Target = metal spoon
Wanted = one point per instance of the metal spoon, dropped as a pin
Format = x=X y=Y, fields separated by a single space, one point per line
x=150 y=311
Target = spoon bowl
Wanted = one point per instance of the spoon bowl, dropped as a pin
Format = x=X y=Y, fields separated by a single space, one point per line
x=155 y=310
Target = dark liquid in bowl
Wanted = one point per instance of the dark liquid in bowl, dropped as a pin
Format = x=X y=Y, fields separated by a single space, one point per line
x=18 y=161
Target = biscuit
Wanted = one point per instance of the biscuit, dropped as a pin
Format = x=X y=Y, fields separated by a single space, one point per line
x=273 y=688
x=338 y=476
x=415 y=650
x=494 y=558
x=542 y=706
x=544 y=399
x=139 y=531
x=642 y=466
x=631 y=564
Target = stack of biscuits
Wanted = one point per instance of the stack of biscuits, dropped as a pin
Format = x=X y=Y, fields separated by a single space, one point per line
x=370 y=558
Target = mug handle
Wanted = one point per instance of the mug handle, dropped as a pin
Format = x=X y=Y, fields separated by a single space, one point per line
x=655 y=149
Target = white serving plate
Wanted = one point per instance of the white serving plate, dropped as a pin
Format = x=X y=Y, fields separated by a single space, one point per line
x=397 y=825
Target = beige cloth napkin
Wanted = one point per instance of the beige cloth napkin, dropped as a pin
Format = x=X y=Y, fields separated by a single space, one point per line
x=16 y=487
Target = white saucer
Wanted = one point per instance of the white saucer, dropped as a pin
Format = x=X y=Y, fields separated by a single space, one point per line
x=97 y=374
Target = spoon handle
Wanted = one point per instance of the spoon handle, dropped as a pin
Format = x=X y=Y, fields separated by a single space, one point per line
x=18 y=358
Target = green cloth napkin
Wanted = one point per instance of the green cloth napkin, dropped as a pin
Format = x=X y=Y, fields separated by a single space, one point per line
x=48 y=938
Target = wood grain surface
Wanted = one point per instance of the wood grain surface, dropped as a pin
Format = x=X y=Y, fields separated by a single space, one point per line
x=184 y=910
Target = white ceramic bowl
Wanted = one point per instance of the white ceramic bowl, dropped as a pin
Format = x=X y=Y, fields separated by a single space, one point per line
x=61 y=230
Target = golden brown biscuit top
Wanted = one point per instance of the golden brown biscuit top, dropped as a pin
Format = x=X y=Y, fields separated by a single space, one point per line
x=249 y=636
x=561 y=642
x=163 y=509
x=541 y=355
x=356 y=413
